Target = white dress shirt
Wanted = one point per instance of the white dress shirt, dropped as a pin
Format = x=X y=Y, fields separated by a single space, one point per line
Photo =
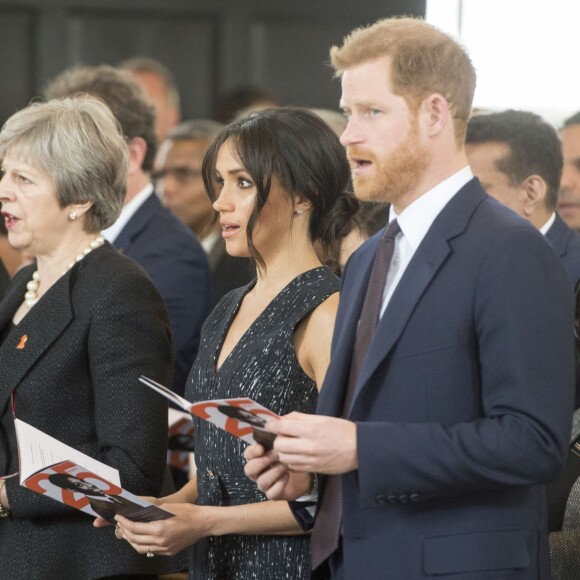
x=128 y=211
x=544 y=229
x=415 y=221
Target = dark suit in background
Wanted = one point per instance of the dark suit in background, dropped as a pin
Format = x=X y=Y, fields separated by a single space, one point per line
x=228 y=272
x=175 y=261
x=566 y=242
x=463 y=404
x=75 y=377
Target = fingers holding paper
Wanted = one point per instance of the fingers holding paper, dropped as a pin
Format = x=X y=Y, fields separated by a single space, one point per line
x=272 y=477
x=304 y=444
x=166 y=537
x=315 y=443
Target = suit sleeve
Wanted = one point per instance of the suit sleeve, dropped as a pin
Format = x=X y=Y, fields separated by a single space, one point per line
x=128 y=336
x=522 y=318
x=180 y=271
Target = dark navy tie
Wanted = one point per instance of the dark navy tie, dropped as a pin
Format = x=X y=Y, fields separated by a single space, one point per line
x=326 y=532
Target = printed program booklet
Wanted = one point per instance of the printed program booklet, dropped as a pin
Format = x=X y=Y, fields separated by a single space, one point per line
x=240 y=417
x=180 y=443
x=52 y=468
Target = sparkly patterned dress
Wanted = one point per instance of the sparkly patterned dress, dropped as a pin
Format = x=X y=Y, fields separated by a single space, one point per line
x=262 y=366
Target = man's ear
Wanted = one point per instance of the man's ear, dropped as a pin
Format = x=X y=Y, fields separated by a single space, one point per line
x=535 y=190
x=435 y=113
x=137 y=152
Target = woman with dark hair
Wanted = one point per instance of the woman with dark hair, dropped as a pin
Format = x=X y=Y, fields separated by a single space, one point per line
x=277 y=179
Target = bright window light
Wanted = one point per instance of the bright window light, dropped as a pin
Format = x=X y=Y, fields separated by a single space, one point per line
x=525 y=51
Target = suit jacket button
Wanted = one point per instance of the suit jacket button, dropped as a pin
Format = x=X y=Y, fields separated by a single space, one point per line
x=393 y=499
x=414 y=497
x=404 y=498
x=381 y=499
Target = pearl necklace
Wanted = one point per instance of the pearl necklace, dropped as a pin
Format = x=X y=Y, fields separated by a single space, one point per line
x=31 y=297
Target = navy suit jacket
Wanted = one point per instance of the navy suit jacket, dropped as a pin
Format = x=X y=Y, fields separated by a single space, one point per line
x=566 y=242
x=463 y=405
x=177 y=265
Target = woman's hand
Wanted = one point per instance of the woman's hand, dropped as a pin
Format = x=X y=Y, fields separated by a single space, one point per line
x=103 y=523
x=166 y=537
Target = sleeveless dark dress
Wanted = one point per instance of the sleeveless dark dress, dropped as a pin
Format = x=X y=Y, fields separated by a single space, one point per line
x=262 y=366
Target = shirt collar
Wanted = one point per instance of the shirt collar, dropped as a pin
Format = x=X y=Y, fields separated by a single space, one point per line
x=544 y=229
x=416 y=219
x=128 y=211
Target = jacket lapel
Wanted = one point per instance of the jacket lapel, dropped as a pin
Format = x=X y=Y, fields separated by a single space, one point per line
x=137 y=223
x=428 y=259
x=330 y=400
x=27 y=341
x=558 y=236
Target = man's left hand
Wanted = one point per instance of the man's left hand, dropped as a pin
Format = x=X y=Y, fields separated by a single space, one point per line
x=315 y=443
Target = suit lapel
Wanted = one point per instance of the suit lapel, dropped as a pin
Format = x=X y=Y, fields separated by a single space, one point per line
x=27 y=341
x=558 y=236
x=139 y=220
x=428 y=259
x=330 y=400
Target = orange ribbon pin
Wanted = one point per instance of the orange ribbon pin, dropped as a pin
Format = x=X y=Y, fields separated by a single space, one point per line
x=22 y=342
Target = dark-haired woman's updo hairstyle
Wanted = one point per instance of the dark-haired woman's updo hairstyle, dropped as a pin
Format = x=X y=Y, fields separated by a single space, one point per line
x=306 y=157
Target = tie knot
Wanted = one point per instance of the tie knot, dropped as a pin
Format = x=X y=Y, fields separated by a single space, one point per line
x=392 y=230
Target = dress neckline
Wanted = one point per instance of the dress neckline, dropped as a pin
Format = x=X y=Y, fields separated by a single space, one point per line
x=236 y=307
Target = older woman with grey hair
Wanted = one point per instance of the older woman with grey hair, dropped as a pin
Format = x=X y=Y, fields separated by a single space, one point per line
x=77 y=328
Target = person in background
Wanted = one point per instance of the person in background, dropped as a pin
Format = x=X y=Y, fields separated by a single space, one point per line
x=569 y=198
x=145 y=230
x=517 y=157
x=77 y=329
x=278 y=182
x=448 y=399
x=241 y=101
x=177 y=177
x=161 y=87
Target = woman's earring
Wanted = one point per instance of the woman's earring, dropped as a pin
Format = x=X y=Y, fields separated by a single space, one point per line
x=299 y=211
x=72 y=216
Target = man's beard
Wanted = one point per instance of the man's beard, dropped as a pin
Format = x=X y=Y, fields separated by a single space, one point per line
x=393 y=176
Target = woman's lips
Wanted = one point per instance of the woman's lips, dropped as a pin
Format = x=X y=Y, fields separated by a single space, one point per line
x=10 y=220
x=228 y=230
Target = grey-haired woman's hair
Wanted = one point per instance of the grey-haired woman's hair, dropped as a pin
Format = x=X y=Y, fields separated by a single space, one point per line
x=78 y=143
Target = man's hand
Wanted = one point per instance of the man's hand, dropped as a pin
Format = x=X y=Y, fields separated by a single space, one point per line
x=273 y=477
x=305 y=444
x=315 y=443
